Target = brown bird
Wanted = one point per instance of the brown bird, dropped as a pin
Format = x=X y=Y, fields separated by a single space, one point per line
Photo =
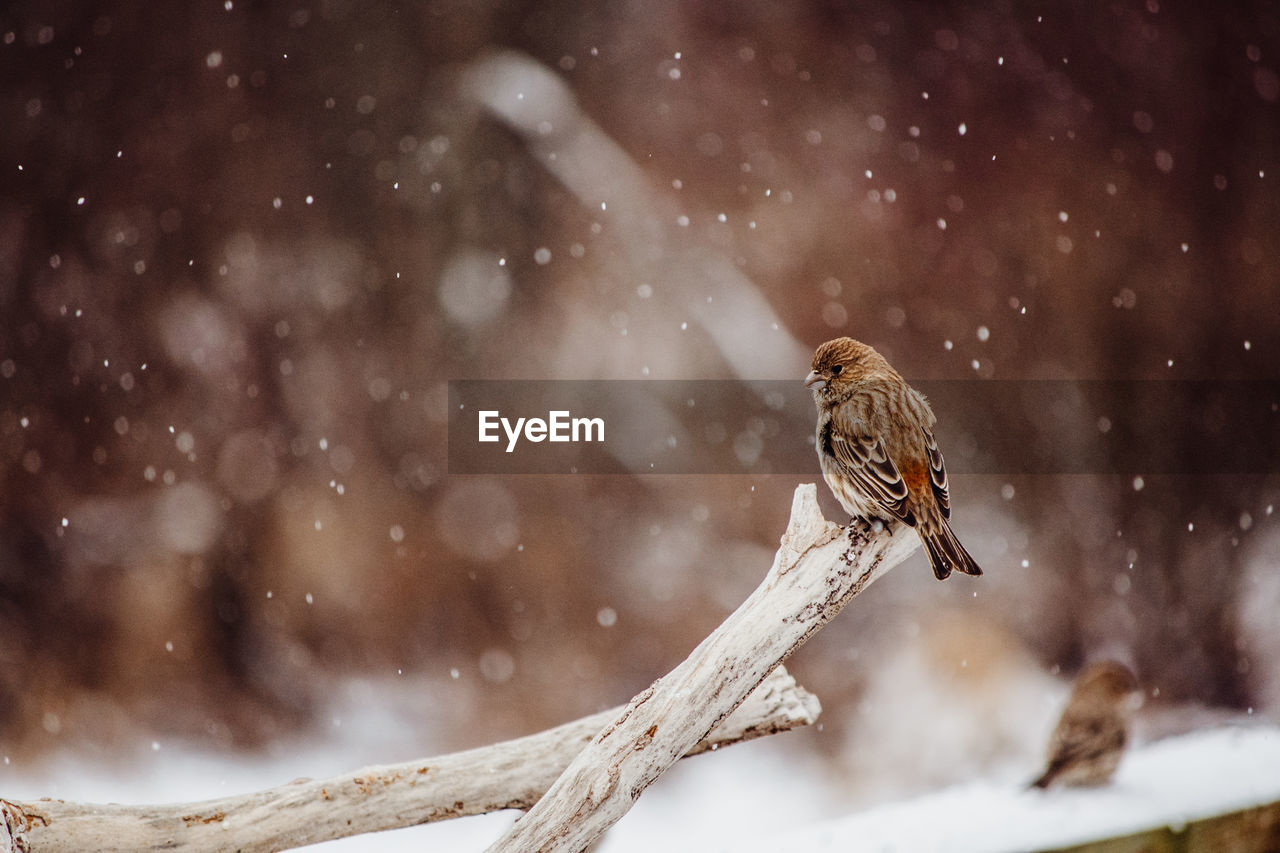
x=876 y=447
x=1090 y=738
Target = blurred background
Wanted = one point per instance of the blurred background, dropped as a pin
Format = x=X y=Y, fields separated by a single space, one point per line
x=245 y=245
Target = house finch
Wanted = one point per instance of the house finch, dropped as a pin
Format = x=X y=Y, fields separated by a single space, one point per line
x=1090 y=737
x=877 y=452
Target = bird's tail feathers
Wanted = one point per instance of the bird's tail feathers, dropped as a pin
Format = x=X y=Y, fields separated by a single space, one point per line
x=1048 y=777
x=1041 y=783
x=946 y=553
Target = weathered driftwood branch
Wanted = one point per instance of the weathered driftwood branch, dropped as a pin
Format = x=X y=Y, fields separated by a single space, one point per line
x=512 y=775
x=817 y=569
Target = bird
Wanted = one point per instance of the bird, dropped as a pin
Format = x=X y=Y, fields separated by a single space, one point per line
x=1091 y=735
x=876 y=447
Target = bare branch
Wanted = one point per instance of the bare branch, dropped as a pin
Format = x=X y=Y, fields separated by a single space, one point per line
x=818 y=568
x=509 y=775
x=722 y=694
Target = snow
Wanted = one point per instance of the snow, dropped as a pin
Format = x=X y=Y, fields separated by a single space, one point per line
x=756 y=797
x=1169 y=783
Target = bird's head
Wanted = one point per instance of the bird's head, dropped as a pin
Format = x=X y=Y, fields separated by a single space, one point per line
x=838 y=364
x=1110 y=682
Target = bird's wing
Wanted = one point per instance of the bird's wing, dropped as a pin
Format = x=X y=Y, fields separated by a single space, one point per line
x=937 y=474
x=862 y=457
x=1084 y=739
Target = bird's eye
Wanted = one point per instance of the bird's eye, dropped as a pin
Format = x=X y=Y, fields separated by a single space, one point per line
x=835 y=371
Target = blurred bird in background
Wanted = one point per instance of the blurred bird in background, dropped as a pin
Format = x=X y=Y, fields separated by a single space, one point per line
x=877 y=450
x=1090 y=738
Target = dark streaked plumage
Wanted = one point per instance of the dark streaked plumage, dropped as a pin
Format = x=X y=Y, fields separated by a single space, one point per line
x=876 y=447
x=1090 y=738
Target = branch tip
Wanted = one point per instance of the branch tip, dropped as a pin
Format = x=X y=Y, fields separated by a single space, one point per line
x=805 y=513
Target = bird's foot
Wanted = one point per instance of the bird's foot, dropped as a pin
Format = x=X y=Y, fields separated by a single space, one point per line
x=867 y=526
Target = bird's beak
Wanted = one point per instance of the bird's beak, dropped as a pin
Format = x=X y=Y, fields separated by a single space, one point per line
x=814 y=379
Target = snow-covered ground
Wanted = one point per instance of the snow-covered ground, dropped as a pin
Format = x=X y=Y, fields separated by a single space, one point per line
x=762 y=797
x=1168 y=783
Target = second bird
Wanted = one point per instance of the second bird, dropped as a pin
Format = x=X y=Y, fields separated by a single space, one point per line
x=877 y=450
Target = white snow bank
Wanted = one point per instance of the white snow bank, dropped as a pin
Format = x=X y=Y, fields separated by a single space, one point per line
x=1168 y=783
x=754 y=798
